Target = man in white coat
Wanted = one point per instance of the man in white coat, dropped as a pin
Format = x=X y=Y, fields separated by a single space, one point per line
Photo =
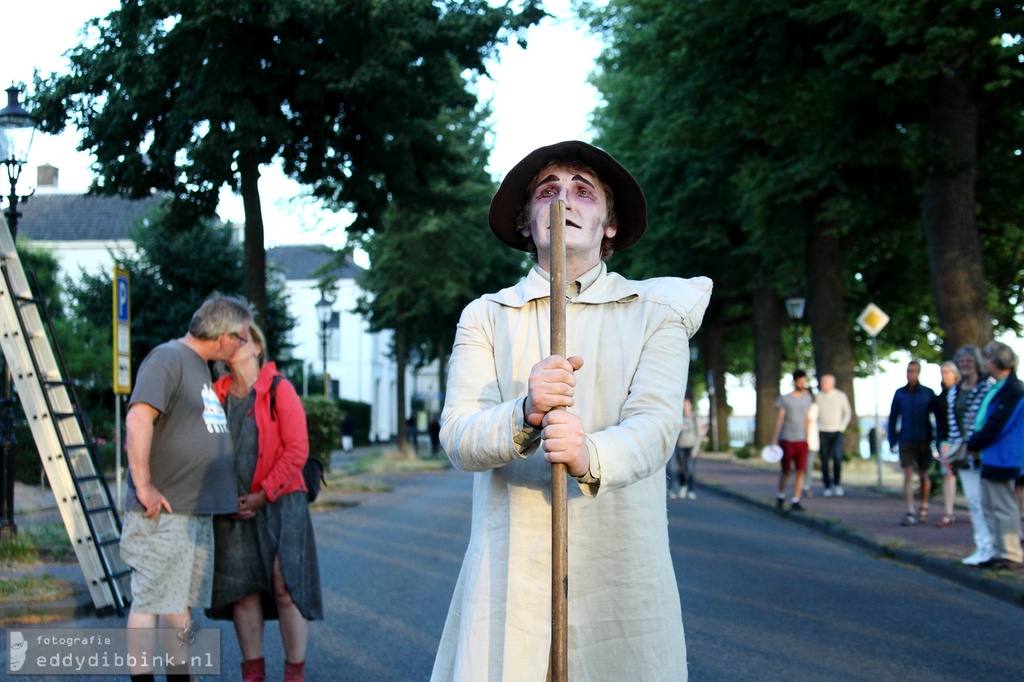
x=628 y=346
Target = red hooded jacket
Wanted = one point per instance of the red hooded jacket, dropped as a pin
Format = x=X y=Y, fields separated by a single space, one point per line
x=283 y=439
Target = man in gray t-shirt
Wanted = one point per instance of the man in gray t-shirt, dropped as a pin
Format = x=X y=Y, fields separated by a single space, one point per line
x=791 y=435
x=181 y=472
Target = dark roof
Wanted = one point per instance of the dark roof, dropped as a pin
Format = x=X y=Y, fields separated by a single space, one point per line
x=81 y=217
x=303 y=261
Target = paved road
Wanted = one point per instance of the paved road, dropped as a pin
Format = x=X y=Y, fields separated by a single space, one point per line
x=766 y=599
x=763 y=599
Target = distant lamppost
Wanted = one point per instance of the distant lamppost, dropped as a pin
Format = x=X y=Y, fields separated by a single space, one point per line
x=17 y=128
x=795 y=310
x=324 y=313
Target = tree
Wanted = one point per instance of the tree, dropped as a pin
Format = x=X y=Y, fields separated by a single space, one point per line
x=191 y=97
x=430 y=261
x=786 y=142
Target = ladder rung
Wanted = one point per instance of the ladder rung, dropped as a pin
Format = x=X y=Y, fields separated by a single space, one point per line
x=97 y=510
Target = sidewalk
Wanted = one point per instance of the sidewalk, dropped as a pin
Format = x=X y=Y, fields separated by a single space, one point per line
x=868 y=516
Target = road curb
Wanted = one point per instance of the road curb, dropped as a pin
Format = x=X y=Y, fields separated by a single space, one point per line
x=979 y=580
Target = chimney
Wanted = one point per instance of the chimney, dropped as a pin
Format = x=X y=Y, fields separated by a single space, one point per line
x=46 y=176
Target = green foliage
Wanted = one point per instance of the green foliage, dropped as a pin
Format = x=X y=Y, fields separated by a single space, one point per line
x=189 y=97
x=324 y=419
x=431 y=260
x=749 y=126
x=174 y=271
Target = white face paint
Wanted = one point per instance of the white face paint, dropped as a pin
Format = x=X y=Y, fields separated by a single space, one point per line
x=586 y=209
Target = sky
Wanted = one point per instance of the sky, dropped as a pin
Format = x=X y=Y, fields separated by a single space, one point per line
x=37 y=33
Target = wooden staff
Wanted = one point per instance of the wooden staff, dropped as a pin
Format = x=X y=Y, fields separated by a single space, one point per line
x=559 y=472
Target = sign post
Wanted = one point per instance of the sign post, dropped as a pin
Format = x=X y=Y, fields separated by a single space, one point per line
x=873 y=319
x=122 y=362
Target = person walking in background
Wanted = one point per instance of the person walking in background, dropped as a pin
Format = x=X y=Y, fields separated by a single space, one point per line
x=348 y=433
x=998 y=439
x=179 y=475
x=682 y=467
x=813 y=447
x=615 y=437
x=834 y=415
x=950 y=378
x=266 y=562
x=962 y=403
x=434 y=429
x=910 y=434
x=791 y=435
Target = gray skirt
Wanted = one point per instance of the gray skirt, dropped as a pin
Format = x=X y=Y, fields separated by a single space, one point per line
x=244 y=550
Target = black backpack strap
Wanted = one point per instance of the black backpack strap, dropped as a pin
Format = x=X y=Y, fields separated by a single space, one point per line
x=273 y=396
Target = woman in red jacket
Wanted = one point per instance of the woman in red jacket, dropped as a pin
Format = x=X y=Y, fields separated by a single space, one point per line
x=266 y=562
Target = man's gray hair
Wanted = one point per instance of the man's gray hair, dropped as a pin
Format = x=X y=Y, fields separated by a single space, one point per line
x=1002 y=355
x=218 y=315
x=971 y=352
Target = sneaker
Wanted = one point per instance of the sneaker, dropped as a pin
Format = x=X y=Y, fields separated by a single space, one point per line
x=779 y=502
x=827 y=493
x=909 y=520
x=672 y=495
x=979 y=557
x=690 y=495
x=839 y=491
x=795 y=506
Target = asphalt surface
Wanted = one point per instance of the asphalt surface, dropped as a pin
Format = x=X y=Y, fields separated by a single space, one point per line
x=765 y=595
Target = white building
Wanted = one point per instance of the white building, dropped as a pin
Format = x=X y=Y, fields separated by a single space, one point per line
x=83 y=232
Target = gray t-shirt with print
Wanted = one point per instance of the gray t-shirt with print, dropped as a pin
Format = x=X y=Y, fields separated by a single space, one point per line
x=794 y=424
x=191 y=461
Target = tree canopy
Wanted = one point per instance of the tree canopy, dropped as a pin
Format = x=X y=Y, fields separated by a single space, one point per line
x=812 y=147
x=191 y=97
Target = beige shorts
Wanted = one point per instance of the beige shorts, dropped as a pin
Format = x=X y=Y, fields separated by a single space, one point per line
x=171 y=558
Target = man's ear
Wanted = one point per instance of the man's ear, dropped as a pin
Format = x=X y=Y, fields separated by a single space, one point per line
x=610 y=230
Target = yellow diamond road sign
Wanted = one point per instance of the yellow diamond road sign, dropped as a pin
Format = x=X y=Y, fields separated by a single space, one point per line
x=873 y=319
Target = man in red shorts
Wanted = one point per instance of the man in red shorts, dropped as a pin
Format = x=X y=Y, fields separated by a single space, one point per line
x=791 y=436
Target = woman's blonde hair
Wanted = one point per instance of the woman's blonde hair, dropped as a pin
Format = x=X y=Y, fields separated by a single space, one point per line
x=256 y=335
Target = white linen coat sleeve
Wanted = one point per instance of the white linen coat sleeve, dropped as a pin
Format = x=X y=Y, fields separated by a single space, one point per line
x=651 y=417
x=480 y=430
x=644 y=438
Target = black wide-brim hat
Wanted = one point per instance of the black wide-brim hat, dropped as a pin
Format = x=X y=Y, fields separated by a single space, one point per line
x=508 y=202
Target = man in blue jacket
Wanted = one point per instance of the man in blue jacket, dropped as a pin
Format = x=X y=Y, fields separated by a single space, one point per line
x=999 y=439
x=910 y=431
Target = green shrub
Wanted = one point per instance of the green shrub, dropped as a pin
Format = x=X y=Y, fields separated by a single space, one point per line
x=324 y=419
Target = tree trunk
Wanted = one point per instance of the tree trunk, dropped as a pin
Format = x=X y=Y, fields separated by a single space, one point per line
x=713 y=336
x=947 y=211
x=767 y=361
x=255 y=253
x=401 y=354
x=831 y=336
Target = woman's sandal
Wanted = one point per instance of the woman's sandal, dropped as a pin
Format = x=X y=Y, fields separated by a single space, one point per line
x=922 y=515
x=947 y=521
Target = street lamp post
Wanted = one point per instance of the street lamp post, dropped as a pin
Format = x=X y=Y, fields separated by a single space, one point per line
x=17 y=128
x=795 y=310
x=324 y=313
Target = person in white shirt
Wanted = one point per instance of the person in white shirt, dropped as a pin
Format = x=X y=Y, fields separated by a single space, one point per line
x=834 y=415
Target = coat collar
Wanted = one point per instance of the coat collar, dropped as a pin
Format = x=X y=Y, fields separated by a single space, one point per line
x=606 y=287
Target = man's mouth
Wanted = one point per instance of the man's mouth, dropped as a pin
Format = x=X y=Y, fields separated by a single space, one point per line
x=569 y=223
